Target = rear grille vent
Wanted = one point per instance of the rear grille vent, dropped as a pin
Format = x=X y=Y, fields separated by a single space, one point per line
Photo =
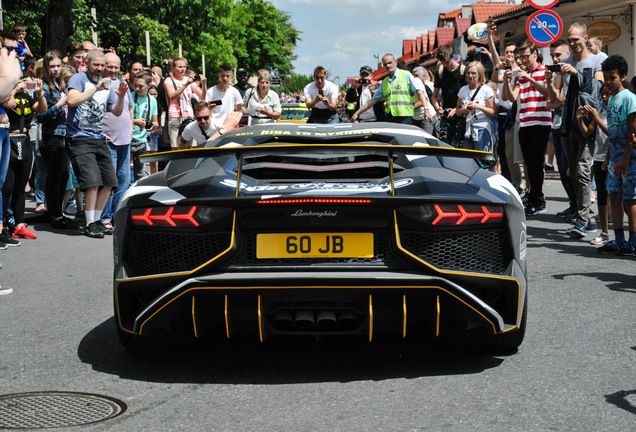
x=163 y=252
x=476 y=251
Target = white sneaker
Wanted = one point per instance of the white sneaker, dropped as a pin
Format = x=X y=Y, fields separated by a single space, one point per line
x=5 y=290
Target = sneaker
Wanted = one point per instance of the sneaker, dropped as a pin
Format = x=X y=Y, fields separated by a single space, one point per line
x=7 y=240
x=80 y=215
x=578 y=230
x=600 y=240
x=93 y=231
x=567 y=213
x=5 y=289
x=611 y=247
x=628 y=248
x=549 y=167
x=70 y=209
x=64 y=223
x=591 y=227
x=532 y=211
x=3 y=246
x=24 y=233
x=106 y=228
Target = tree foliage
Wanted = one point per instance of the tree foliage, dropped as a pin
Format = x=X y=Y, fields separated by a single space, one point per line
x=246 y=33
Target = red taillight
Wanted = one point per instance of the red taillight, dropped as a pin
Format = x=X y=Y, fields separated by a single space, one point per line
x=455 y=214
x=315 y=201
x=173 y=216
x=459 y=214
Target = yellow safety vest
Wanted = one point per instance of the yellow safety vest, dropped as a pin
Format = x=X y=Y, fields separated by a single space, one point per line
x=398 y=97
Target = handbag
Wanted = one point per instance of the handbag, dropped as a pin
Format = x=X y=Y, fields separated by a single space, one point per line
x=460 y=127
x=19 y=146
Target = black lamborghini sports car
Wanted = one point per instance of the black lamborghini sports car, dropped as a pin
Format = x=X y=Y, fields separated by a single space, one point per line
x=321 y=230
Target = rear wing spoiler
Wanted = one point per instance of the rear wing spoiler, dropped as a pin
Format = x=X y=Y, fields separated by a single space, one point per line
x=243 y=152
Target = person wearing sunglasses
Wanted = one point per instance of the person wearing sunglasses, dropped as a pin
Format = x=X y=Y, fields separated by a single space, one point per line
x=206 y=127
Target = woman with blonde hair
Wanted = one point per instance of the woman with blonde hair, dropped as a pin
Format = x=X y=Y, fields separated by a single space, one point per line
x=476 y=102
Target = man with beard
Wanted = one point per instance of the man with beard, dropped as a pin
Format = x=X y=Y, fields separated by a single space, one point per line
x=89 y=98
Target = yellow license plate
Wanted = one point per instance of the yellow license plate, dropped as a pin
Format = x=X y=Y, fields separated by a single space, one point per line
x=314 y=245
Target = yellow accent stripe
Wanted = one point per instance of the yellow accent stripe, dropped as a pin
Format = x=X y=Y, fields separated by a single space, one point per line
x=194 y=318
x=260 y=323
x=404 y=316
x=370 y=318
x=239 y=170
x=437 y=318
x=227 y=320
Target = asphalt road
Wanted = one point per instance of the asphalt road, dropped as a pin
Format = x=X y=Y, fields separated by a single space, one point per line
x=576 y=370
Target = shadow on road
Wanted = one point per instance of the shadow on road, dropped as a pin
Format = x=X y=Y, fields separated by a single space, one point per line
x=278 y=361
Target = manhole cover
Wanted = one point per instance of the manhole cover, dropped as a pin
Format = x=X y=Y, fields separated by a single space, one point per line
x=56 y=409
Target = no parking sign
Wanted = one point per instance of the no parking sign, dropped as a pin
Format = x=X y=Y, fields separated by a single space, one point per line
x=544 y=27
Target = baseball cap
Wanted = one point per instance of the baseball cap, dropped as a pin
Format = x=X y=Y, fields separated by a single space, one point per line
x=366 y=69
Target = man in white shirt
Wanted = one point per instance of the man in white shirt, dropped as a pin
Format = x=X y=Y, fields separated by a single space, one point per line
x=321 y=96
x=229 y=97
x=206 y=127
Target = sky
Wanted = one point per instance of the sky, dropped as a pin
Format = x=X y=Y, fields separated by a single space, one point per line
x=343 y=35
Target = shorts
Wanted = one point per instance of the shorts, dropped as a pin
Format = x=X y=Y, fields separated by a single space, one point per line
x=72 y=182
x=625 y=184
x=91 y=162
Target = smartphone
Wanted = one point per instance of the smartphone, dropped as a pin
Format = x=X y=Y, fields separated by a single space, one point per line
x=216 y=102
x=245 y=120
x=29 y=85
x=554 y=68
x=508 y=67
x=111 y=84
x=321 y=93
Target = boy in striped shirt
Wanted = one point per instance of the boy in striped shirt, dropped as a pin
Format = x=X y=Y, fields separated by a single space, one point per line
x=535 y=120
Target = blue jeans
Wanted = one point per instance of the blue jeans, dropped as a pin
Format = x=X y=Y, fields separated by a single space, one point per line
x=5 y=153
x=39 y=185
x=484 y=143
x=121 y=162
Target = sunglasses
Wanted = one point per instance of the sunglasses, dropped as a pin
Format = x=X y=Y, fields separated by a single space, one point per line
x=10 y=48
x=203 y=118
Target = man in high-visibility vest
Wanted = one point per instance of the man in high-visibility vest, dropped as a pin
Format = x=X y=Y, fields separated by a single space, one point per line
x=398 y=90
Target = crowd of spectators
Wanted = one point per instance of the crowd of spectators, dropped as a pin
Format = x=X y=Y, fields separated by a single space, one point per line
x=73 y=127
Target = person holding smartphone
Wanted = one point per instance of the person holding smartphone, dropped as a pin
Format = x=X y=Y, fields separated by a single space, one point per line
x=321 y=96
x=535 y=120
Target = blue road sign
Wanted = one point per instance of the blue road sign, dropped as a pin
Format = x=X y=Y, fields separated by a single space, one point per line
x=544 y=27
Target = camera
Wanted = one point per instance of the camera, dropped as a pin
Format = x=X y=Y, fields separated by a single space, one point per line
x=362 y=81
x=149 y=125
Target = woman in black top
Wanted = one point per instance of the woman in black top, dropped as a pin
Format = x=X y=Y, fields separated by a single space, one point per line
x=20 y=107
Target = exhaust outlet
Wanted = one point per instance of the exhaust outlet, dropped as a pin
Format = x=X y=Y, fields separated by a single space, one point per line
x=283 y=319
x=348 y=318
x=326 y=319
x=304 y=319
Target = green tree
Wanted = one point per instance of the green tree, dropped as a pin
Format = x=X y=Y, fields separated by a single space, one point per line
x=249 y=33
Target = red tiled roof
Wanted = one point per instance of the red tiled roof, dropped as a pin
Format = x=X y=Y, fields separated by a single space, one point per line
x=450 y=15
x=424 y=39
x=431 y=39
x=511 y=8
x=483 y=10
x=462 y=25
x=445 y=35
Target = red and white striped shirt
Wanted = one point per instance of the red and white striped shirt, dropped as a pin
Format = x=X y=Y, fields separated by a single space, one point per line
x=533 y=110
